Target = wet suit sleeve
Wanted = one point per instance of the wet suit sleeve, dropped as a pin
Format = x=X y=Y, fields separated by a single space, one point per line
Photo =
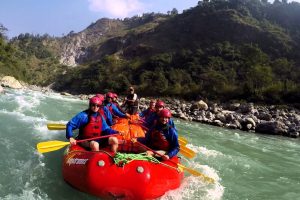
x=149 y=123
x=108 y=115
x=171 y=123
x=75 y=123
x=106 y=129
x=117 y=112
x=143 y=113
x=173 y=140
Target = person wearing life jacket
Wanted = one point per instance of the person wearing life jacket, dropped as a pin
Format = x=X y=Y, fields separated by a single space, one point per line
x=115 y=112
x=153 y=117
x=115 y=101
x=146 y=113
x=91 y=124
x=103 y=110
x=162 y=138
x=131 y=102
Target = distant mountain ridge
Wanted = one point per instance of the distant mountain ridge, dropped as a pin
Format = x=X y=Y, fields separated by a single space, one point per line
x=220 y=49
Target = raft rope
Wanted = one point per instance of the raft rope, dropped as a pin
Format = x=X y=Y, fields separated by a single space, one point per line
x=122 y=159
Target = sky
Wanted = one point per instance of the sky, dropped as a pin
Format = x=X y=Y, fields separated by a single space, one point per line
x=59 y=17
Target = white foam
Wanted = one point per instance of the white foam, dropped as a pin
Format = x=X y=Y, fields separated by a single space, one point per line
x=27 y=194
x=237 y=135
x=195 y=188
x=23 y=117
x=204 y=151
x=27 y=103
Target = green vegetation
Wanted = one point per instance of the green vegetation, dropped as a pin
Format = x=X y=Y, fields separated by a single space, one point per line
x=28 y=59
x=221 y=50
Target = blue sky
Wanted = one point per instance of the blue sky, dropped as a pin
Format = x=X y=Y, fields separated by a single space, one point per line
x=58 y=17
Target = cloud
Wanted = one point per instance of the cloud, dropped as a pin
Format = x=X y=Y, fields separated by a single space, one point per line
x=117 y=8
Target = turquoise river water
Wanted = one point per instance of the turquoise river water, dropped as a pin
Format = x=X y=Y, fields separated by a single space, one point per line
x=244 y=165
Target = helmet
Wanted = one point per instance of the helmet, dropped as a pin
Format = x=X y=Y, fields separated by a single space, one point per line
x=110 y=95
x=165 y=113
x=159 y=104
x=100 y=96
x=95 y=100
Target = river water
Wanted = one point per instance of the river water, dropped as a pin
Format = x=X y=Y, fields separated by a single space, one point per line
x=244 y=165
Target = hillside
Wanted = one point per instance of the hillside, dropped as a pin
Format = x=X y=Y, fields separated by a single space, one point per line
x=222 y=50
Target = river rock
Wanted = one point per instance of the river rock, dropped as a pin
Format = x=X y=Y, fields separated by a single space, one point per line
x=11 y=82
x=274 y=128
x=200 y=105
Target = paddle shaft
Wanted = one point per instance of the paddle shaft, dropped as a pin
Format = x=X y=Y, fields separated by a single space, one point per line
x=148 y=148
x=192 y=171
x=95 y=138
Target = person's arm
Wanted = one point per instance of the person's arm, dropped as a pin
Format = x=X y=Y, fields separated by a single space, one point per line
x=75 y=123
x=106 y=129
x=117 y=112
x=173 y=140
x=171 y=123
x=108 y=115
x=143 y=113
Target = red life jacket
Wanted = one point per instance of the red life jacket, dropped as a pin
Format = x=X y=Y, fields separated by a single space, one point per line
x=93 y=127
x=101 y=111
x=159 y=140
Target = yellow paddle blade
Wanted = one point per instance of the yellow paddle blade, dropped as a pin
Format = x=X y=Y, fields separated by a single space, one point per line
x=56 y=126
x=187 y=152
x=182 y=140
x=44 y=147
x=196 y=173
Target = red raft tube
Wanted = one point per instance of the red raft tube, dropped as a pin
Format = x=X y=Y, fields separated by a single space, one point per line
x=96 y=173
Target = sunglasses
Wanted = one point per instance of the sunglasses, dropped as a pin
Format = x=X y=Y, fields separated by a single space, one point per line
x=95 y=105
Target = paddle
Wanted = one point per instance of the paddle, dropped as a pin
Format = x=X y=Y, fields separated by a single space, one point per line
x=186 y=152
x=191 y=171
x=44 y=147
x=56 y=126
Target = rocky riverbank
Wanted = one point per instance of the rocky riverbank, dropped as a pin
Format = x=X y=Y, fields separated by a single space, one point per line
x=271 y=119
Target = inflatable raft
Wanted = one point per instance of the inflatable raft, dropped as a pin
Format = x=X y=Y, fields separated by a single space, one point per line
x=97 y=173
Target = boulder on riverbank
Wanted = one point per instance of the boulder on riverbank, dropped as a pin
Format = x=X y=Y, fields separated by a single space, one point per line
x=245 y=116
x=11 y=82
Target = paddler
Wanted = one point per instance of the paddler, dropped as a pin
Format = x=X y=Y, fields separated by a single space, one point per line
x=91 y=124
x=162 y=138
x=115 y=112
x=147 y=112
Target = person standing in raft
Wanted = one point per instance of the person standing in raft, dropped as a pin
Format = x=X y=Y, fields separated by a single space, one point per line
x=115 y=112
x=146 y=113
x=162 y=138
x=91 y=124
x=131 y=102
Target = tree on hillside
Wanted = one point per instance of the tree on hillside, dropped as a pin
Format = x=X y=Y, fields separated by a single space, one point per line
x=3 y=31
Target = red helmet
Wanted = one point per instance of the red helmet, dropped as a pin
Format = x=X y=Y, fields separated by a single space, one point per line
x=100 y=96
x=159 y=104
x=165 y=113
x=95 y=100
x=110 y=95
